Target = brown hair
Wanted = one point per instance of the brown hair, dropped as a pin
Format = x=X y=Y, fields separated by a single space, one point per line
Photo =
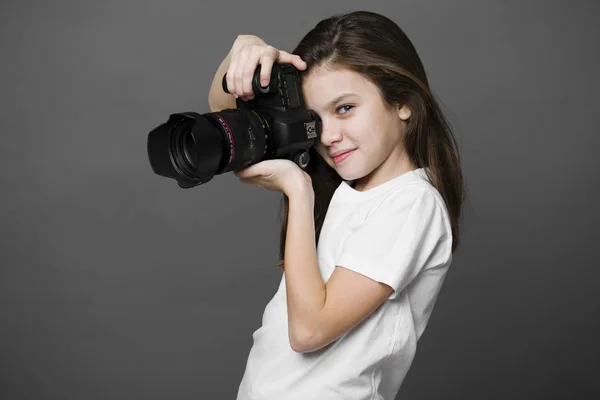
x=375 y=47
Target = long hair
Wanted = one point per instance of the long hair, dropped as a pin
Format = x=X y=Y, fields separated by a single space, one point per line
x=375 y=47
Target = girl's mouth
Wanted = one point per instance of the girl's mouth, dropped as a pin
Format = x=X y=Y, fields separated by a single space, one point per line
x=342 y=157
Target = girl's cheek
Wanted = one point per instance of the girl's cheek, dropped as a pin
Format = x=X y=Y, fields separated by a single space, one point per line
x=321 y=150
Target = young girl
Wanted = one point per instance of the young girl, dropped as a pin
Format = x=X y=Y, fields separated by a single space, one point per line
x=368 y=229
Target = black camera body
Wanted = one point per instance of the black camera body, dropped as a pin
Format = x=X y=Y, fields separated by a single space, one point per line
x=192 y=148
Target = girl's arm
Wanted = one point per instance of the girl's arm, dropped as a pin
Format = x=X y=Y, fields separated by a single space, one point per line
x=320 y=313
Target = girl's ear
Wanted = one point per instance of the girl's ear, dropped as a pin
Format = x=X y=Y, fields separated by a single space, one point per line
x=404 y=112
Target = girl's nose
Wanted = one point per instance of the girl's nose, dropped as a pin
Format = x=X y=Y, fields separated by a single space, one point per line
x=330 y=134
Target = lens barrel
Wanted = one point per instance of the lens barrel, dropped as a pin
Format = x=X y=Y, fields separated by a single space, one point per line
x=192 y=148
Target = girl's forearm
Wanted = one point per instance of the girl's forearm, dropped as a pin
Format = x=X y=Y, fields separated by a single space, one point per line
x=305 y=288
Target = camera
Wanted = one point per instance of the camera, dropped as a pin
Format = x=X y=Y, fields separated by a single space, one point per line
x=192 y=148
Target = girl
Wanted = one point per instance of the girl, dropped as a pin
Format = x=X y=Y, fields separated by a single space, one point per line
x=368 y=229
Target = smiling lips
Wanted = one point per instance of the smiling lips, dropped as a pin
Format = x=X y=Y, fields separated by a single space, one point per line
x=342 y=156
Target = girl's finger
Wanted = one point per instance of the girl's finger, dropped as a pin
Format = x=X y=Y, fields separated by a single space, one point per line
x=239 y=70
x=295 y=60
x=267 y=60
x=248 y=74
x=229 y=77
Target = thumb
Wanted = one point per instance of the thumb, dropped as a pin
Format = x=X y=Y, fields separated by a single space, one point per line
x=246 y=172
x=294 y=59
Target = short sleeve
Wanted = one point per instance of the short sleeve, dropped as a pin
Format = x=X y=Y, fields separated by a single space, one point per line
x=398 y=240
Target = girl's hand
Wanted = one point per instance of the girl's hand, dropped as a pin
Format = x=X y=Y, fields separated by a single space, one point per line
x=246 y=53
x=278 y=175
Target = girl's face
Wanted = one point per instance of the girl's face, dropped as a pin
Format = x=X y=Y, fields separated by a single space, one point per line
x=355 y=118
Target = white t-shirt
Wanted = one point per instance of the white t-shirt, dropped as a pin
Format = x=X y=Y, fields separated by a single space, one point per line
x=397 y=233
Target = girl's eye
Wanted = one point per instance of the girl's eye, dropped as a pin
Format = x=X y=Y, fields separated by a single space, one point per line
x=347 y=106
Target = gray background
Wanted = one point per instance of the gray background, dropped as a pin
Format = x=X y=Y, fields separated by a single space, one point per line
x=116 y=284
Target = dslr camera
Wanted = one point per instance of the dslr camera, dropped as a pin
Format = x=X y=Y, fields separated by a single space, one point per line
x=192 y=148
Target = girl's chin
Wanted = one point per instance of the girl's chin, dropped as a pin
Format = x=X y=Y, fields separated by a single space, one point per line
x=348 y=175
x=345 y=171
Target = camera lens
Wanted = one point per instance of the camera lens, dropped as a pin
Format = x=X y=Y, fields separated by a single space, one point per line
x=180 y=149
x=192 y=148
x=190 y=152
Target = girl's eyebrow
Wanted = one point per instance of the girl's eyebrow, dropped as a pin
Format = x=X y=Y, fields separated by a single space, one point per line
x=339 y=98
